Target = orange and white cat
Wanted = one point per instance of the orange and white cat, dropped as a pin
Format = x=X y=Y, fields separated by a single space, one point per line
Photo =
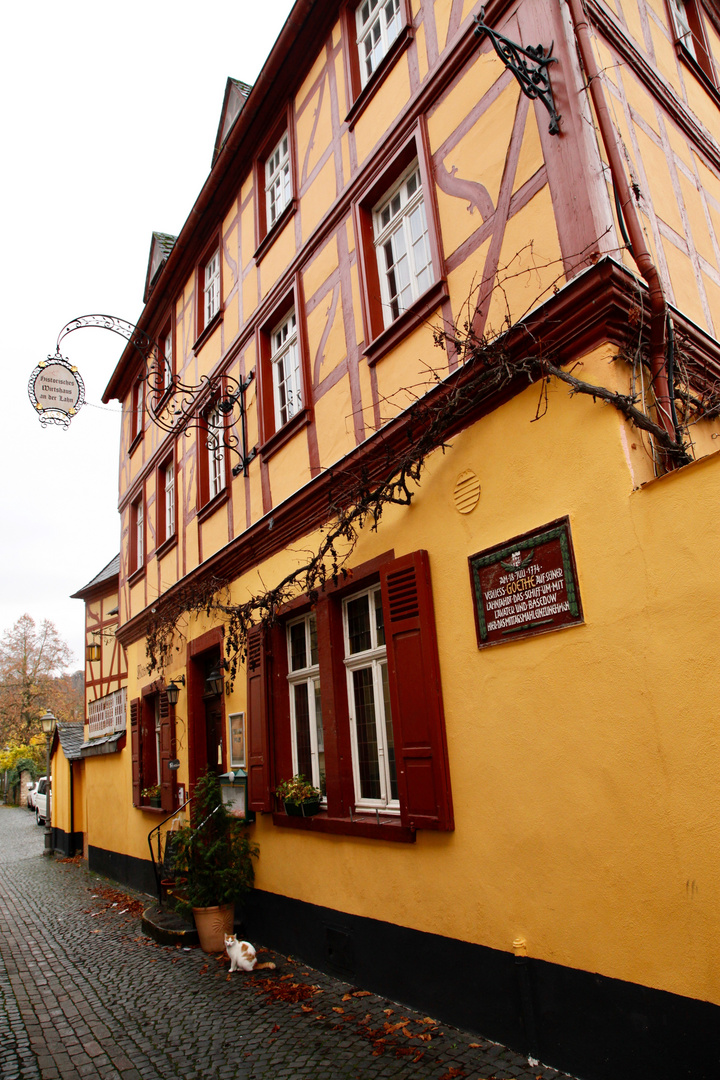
x=243 y=956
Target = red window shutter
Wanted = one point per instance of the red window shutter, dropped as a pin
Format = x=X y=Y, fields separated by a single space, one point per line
x=259 y=798
x=166 y=745
x=135 y=749
x=415 y=694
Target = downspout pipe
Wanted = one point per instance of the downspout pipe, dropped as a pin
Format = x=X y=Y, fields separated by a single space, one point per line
x=643 y=258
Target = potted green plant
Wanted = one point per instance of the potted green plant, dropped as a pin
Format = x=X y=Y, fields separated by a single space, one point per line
x=214 y=858
x=298 y=796
x=152 y=794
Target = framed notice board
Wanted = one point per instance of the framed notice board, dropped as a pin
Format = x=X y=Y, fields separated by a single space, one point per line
x=527 y=585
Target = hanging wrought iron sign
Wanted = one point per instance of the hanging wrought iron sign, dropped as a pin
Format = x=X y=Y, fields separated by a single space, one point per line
x=173 y=405
x=56 y=391
x=525 y=586
x=533 y=76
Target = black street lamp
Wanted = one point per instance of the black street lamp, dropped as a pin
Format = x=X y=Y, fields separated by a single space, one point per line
x=48 y=722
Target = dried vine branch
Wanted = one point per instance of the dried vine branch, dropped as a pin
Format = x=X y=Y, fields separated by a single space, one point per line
x=359 y=497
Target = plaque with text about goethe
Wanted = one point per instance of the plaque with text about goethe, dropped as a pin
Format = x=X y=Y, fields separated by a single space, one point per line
x=525 y=586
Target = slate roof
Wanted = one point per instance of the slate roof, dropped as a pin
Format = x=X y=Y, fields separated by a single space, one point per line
x=70 y=734
x=106 y=574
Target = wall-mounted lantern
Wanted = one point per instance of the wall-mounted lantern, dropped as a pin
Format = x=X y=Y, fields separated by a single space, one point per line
x=214 y=681
x=173 y=690
x=93 y=652
x=233 y=786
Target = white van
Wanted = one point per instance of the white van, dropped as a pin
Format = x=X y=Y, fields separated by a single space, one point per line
x=40 y=798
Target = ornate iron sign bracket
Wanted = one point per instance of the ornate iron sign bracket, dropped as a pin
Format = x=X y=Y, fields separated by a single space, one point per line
x=174 y=405
x=533 y=77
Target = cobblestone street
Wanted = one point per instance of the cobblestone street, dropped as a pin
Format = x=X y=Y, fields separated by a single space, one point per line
x=84 y=993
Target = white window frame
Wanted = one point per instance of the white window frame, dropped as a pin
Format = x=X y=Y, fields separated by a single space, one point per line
x=286 y=377
x=169 y=479
x=277 y=180
x=402 y=244
x=166 y=361
x=378 y=24
x=211 y=287
x=307 y=676
x=139 y=527
x=375 y=660
x=137 y=401
x=682 y=26
x=215 y=444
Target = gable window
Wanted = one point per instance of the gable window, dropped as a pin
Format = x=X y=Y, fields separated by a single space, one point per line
x=166 y=502
x=137 y=534
x=691 y=38
x=378 y=24
x=211 y=288
x=362 y=712
x=308 y=744
x=287 y=391
x=402 y=245
x=278 y=191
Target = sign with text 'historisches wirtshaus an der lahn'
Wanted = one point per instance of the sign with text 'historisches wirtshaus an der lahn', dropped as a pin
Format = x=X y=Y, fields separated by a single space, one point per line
x=527 y=585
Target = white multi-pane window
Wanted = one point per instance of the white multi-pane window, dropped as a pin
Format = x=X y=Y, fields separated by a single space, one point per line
x=378 y=24
x=138 y=526
x=402 y=245
x=216 y=452
x=211 y=287
x=371 y=728
x=277 y=180
x=138 y=405
x=682 y=25
x=166 y=361
x=308 y=747
x=287 y=390
x=169 y=500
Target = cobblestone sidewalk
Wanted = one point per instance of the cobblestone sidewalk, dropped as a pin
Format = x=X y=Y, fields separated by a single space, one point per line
x=83 y=993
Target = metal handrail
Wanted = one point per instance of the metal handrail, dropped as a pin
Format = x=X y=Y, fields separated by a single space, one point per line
x=157 y=829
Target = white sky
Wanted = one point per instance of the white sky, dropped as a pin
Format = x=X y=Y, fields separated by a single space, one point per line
x=109 y=115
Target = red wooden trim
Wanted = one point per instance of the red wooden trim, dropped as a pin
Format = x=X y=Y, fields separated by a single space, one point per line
x=417 y=313
x=135 y=749
x=206 y=642
x=258 y=748
x=416 y=700
x=361 y=825
x=378 y=77
x=215 y=503
x=271 y=236
x=167 y=747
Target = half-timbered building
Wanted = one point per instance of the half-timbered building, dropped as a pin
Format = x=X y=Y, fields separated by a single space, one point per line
x=413 y=234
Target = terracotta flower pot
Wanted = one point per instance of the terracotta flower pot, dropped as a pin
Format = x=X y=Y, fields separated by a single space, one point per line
x=212 y=924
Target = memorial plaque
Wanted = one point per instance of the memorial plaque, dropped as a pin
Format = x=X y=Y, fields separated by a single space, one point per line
x=526 y=586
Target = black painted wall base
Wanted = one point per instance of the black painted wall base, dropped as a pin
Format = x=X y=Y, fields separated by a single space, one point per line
x=125 y=869
x=588 y=1025
x=67 y=844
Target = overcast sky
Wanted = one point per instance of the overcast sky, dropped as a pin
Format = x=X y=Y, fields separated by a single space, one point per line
x=109 y=117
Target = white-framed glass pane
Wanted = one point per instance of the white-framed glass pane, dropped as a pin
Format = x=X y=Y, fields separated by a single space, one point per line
x=169 y=499
x=402 y=245
x=216 y=453
x=308 y=744
x=378 y=24
x=277 y=180
x=212 y=287
x=287 y=390
x=372 y=738
x=139 y=532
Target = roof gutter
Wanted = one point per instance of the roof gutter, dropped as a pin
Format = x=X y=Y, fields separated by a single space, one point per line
x=640 y=252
